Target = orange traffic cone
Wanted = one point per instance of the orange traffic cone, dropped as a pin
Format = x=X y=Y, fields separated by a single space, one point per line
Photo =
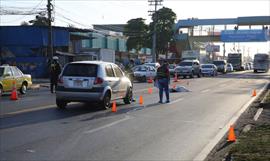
x=174 y=86
x=141 y=100
x=114 y=109
x=150 y=80
x=150 y=90
x=254 y=93
x=231 y=135
x=175 y=78
x=14 y=94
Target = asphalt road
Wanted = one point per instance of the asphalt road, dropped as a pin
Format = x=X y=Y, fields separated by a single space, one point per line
x=32 y=128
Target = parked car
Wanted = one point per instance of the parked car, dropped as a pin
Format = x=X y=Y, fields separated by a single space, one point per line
x=144 y=72
x=221 y=65
x=155 y=65
x=172 y=68
x=188 y=68
x=229 y=67
x=209 y=69
x=10 y=75
x=92 y=81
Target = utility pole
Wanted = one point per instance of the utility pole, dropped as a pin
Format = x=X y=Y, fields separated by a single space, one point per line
x=155 y=3
x=50 y=46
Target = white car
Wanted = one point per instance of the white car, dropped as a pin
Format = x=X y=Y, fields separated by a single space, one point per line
x=209 y=69
x=155 y=65
x=144 y=72
x=92 y=81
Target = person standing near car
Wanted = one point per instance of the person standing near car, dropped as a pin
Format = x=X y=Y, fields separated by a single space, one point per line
x=163 y=80
x=55 y=70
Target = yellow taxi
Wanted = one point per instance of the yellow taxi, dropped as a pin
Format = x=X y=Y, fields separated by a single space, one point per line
x=11 y=76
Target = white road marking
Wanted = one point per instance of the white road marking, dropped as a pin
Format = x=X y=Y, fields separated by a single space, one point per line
x=127 y=117
x=33 y=109
x=175 y=101
x=258 y=113
x=204 y=91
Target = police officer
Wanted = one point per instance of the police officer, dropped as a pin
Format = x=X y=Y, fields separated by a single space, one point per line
x=163 y=80
x=55 y=70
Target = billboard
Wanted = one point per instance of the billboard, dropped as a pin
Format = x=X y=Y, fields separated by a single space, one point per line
x=245 y=35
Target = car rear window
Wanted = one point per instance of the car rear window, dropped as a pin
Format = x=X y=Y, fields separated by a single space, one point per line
x=80 y=70
x=218 y=62
x=1 y=71
x=185 y=64
x=207 y=66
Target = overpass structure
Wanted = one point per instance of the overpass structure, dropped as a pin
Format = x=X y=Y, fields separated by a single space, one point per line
x=194 y=33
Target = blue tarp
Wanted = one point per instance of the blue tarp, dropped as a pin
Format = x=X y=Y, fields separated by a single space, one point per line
x=32 y=35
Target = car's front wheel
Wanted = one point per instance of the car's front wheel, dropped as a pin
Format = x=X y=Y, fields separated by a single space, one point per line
x=23 y=88
x=128 y=98
x=61 y=104
x=106 y=102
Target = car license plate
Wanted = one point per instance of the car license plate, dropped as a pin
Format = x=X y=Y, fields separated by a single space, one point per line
x=78 y=83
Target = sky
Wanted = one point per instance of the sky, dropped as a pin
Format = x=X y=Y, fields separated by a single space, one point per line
x=85 y=13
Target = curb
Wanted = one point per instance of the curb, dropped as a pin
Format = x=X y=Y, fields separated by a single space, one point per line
x=212 y=143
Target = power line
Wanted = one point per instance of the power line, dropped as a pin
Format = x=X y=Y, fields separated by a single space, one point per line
x=31 y=12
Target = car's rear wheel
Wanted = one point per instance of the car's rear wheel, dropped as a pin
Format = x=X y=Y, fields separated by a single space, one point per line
x=1 y=91
x=23 y=88
x=106 y=102
x=128 y=98
x=61 y=104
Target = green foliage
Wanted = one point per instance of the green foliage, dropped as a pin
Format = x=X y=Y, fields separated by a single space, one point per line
x=40 y=20
x=136 y=30
x=164 y=26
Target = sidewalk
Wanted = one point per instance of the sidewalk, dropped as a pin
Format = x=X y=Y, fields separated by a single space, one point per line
x=40 y=82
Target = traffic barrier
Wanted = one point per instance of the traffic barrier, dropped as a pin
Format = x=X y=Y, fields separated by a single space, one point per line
x=114 y=108
x=231 y=134
x=254 y=93
x=150 y=90
x=14 y=94
x=141 y=100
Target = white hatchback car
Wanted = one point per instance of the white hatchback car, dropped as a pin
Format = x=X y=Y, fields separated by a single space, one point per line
x=92 y=81
x=144 y=72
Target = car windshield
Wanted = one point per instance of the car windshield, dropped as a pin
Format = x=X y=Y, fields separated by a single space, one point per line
x=207 y=66
x=1 y=71
x=218 y=62
x=185 y=64
x=81 y=70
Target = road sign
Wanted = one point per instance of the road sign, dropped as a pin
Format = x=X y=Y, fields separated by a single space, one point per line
x=245 y=35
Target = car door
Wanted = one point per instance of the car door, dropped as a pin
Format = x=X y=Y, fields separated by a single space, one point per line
x=8 y=79
x=112 y=80
x=18 y=77
x=122 y=83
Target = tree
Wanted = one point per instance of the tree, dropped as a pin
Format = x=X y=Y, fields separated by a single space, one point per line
x=40 y=20
x=164 y=29
x=136 y=30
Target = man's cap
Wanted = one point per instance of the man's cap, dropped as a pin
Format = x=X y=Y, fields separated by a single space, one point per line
x=55 y=58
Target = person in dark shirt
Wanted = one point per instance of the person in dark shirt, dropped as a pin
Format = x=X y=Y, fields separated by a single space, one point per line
x=55 y=70
x=163 y=80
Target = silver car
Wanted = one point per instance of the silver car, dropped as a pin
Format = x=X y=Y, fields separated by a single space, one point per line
x=209 y=69
x=93 y=81
x=188 y=68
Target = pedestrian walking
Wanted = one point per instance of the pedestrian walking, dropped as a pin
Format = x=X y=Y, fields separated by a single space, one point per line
x=55 y=70
x=163 y=80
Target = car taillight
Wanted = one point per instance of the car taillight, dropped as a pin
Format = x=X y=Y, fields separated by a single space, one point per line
x=98 y=80
x=60 y=80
